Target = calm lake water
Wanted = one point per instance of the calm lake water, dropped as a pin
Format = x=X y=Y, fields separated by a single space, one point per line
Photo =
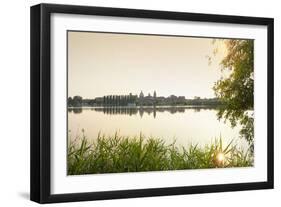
x=185 y=124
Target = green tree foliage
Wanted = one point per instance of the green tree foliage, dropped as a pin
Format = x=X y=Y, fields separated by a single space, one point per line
x=69 y=101
x=236 y=91
x=76 y=101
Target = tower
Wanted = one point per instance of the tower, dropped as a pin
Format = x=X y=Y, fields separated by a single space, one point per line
x=141 y=98
x=154 y=95
x=141 y=95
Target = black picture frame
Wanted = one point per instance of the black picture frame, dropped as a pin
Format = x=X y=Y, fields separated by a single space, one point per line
x=41 y=102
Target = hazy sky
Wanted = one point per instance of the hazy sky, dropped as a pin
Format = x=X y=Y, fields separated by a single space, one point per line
x=116 y=64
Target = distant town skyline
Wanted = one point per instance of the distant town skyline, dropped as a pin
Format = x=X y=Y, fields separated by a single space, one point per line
x=134 y=100
x=102 y=64
x=138 y=94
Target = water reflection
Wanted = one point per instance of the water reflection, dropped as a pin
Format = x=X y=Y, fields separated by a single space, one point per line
x=75 y=110
x=186 y=124
x=140 y=110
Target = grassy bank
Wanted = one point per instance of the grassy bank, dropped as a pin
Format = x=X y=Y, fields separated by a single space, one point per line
x=115 y=154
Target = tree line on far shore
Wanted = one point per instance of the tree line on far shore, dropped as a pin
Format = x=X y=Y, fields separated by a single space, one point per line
x=134 y=100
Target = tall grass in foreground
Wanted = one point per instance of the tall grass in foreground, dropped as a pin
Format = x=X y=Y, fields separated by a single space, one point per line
x=115 y=154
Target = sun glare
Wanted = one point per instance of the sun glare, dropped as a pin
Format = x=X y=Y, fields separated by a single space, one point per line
x=220 y=157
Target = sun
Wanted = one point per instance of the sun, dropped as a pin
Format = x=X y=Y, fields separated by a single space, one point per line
x=220 y=157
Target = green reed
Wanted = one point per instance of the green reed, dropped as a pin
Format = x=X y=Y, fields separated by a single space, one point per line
x=116 y=154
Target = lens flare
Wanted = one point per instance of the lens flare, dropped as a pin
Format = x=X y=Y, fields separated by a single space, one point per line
x=220 y=157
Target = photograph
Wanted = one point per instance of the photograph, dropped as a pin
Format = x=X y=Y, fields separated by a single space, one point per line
x=129 y=103
x=153 y=102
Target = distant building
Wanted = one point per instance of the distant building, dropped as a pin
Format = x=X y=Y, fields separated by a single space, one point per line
x=154 y=95
x=131 y=105
x=141 y=94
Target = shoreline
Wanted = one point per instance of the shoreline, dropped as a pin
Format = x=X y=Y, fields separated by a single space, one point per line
x=140 y=107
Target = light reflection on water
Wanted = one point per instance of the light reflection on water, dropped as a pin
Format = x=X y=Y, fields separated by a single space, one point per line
x=185 y=124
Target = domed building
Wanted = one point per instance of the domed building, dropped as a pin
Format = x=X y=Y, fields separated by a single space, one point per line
x=141 y=95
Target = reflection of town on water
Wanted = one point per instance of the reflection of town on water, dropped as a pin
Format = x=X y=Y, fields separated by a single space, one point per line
x=139 y=110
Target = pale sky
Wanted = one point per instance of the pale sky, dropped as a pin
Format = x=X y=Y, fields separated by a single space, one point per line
x=116 y=64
